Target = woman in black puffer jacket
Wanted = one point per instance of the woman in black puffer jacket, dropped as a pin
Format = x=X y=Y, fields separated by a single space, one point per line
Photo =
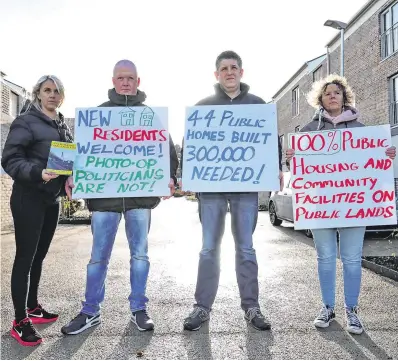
x=34 y=200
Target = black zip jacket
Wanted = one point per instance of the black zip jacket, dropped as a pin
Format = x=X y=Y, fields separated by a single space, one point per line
x=26 y=151
x=125 y=204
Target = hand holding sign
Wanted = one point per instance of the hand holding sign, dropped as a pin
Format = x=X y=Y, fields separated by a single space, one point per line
x=47 y=176
x=69 y=187
x=289 y=154
x=172 y=189
x=391 y=152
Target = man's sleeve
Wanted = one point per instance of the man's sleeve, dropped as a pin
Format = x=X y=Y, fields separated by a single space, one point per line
x=280 y=153
x=173 y=160
x=182 y=155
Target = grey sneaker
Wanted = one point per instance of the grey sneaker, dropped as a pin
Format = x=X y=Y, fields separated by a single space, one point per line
x=80 y=323
x=354 y=324
x=256 y=319
x=326 y=315
x=196 y=318
x=142 y=320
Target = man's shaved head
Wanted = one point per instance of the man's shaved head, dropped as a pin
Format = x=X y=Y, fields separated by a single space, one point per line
x=124 y=64
x=125 y=78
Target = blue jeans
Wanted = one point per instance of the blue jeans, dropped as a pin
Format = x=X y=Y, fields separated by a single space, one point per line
x=244 y=210
x=104 y=226
x=351 y=244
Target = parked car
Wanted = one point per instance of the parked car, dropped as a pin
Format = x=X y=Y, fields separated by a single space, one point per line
x=280 y=208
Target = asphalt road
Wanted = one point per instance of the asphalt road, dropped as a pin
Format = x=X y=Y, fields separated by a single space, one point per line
x=289 y=297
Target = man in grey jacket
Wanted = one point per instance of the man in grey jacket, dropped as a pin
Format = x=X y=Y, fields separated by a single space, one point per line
x=106 y=216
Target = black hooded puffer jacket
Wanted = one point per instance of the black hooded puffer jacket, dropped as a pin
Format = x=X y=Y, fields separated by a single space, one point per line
x=26 y=151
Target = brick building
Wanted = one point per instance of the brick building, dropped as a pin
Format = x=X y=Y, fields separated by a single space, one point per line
x=370 y=66
x=12 y=99
x=292 y=107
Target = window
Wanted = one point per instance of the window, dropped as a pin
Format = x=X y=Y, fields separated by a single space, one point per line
x=295 y=101
x=317 y=74
x=394 y=100
x=297 y=129
x=389 y=31
x=14 y=104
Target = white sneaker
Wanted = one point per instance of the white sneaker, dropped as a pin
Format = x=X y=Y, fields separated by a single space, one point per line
x=354 y=324
x=325 y=316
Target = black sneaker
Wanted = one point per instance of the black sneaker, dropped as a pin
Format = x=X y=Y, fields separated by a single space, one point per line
x=354 y=324
x=142 y=320
x=39 y=315
x=80 y=323
x=25 y=333
x=326 y=315
x=196 y=318
x=256 y=319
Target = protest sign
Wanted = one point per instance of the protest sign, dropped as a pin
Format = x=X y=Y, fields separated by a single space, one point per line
x=121 y=152
x=231 y=148
x=342 y=178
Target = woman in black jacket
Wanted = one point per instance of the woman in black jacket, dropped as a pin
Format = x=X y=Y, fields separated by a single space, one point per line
x=34 y=200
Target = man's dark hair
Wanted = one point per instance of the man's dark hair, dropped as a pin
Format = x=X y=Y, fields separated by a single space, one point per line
x=229 y=54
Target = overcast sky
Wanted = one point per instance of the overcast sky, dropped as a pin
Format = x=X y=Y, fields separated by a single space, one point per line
x=174 y=44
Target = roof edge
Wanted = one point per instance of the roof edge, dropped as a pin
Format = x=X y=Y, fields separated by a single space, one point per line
x=295 y=74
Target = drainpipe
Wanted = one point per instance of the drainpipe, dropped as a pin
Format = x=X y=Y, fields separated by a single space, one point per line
x=342 y=51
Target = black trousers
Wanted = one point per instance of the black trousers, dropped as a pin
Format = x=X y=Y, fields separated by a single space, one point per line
x=35 y=221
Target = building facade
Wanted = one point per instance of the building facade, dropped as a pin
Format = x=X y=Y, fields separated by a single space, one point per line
x=12 y=99
x=370 y=66
x=292 y=107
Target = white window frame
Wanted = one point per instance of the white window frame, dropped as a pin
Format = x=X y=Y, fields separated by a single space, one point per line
x=317 y=71
x=16 y=105
x=389 y=36
x=393 y=96
x=296 y=101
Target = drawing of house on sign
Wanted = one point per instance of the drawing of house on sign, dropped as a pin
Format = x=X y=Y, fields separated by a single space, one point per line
x=127 y=117
x=147 y=117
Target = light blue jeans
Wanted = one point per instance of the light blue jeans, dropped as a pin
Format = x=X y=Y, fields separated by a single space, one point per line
x=104 y=226
x=213 y=210
x=351 y=244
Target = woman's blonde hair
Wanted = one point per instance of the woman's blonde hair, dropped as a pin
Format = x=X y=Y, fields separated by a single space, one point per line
x=36 y=90
x=314 y=97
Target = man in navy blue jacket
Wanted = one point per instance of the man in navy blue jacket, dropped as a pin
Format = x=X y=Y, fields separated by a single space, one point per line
x=213 y=208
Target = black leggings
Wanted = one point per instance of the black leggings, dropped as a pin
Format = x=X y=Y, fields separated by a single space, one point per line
x=35 y=221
